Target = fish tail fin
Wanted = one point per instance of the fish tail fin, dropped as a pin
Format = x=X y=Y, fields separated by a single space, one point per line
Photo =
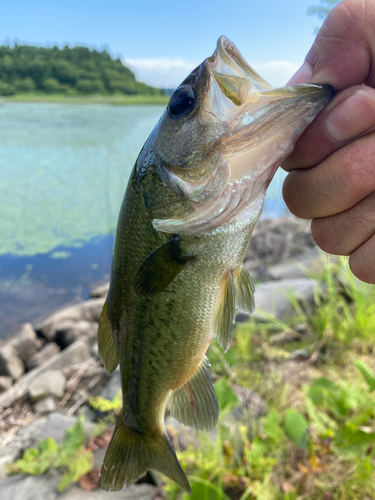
x=130 y=455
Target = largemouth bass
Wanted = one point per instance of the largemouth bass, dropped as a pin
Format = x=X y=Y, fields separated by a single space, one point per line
x=193 y=199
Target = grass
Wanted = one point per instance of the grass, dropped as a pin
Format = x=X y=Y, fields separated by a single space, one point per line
x=289 y=429
x=119 y=100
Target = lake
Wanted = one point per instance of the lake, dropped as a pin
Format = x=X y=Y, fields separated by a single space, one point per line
x=63 y=173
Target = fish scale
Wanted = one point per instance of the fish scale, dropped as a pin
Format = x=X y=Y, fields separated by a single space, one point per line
x=193 y=199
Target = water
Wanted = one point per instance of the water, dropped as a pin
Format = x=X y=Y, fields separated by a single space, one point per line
x=64 y=170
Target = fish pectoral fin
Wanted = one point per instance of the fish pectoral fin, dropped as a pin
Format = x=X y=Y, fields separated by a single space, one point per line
x=195 y=404
x=244 y=291
x=224 y=318
x=161 y=267
x=106 y=344
x=131 y=454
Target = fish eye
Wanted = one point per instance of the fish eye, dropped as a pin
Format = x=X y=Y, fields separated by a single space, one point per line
x=181 y=102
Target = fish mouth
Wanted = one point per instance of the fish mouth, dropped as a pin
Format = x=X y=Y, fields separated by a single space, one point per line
x=261 y=127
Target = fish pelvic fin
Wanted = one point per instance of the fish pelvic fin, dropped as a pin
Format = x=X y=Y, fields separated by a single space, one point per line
x=106 y=344
x=195 y=404
x=244 y=291
x=224 y=318
x=131 y=454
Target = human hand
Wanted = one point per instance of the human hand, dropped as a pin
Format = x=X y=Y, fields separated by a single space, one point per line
x=332 y=168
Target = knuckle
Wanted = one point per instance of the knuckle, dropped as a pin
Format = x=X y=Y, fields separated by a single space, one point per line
x=328 y=238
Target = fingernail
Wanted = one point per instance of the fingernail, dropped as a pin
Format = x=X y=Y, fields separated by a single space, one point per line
x=351 y=117
x=302 y=75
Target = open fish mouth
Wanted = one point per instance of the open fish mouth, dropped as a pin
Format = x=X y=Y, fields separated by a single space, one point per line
x=261 y=125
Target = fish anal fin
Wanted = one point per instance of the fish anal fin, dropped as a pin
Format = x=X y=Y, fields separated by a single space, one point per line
x=131 y=454
x=195 y=404
x=244 y=291
x=106 y=344
x=225 y=313
x=161 y=267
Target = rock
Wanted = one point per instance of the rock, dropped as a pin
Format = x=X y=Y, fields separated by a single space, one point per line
x=10 y=363
x=135 y=492
x=87 y=412
x=75 y=354
x=69 y=332
x=44 y=487
x=49 y=383
x=89 y=310
x=46 y=405
x=25 y=342
x=299 y=267
x=94 y=350
x=25 y=487
x=100 y=291
x=5 y=383
x=113 y=387
x=46 y=353
x=275 y=240
x=273 y=297
x=300 y=355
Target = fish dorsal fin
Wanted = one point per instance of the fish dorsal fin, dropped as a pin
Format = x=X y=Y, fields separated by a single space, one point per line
x=106 y=345
x=244 y=290
x=195 y=404
x=160 y=268
x=224 y=319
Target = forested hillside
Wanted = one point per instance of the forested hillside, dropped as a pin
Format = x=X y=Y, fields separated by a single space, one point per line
x=69 y=71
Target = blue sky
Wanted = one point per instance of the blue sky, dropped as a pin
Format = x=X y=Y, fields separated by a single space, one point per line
x=163 y=40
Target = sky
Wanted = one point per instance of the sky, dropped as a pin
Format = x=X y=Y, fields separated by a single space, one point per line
x=162 y=41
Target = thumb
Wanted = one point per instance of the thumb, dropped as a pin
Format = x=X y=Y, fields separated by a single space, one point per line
x=344 y=48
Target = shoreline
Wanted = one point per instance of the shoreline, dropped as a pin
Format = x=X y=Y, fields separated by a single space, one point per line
x=116 y=100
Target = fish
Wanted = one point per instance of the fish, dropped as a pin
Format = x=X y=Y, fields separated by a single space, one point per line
x=193 y=198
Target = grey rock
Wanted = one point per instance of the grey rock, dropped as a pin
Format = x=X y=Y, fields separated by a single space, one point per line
x=46 y=353
x=300 y=355
x=275 y=240
x=100 y=291
x=48 y=383
x=69 y=332
x=10 y=363
x=273 y=297
x=55 y=425
x=75 y=354
x=25 y=342
x=5 y=383
x=94 y=350
x=46 y=405
x=45 y=488
x=25 y=437
x=89 y=310
x=299 y=267
x=113 y=386
x=86 y=412
x=31 y=487
x=135 y=492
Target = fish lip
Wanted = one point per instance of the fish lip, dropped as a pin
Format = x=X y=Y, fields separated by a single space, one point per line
x=229 y=53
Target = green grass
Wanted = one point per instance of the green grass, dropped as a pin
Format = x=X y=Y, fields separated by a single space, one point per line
x=119 y=100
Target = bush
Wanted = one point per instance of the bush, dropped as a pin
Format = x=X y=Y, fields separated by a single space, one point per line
x=26 y=85
x=6 y=89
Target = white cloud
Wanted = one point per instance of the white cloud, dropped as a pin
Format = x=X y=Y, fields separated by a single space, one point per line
x=169 y=72
x=162 y=72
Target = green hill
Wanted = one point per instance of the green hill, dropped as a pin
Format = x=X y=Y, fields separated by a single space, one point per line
x=25 y=69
